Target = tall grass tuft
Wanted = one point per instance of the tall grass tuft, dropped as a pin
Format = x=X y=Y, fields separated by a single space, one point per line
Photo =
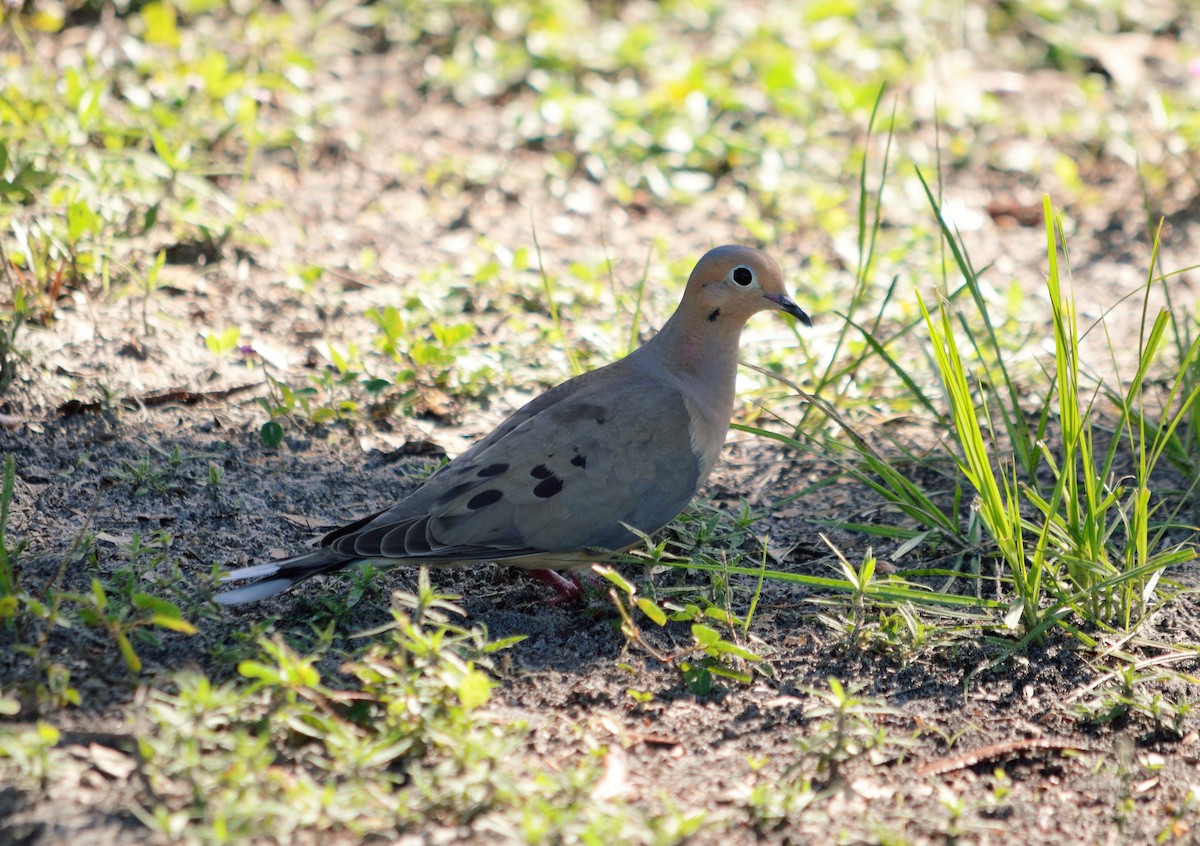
x=1087 y=550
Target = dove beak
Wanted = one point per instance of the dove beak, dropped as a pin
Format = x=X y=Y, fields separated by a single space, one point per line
x=785 y=304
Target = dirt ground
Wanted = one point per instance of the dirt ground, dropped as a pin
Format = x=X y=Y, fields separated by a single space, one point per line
x=1068 y=781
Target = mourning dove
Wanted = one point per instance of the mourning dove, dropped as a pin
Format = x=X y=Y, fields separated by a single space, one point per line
x=583 y=468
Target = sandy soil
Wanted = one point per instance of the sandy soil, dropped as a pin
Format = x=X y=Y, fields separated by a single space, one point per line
x=72 y=478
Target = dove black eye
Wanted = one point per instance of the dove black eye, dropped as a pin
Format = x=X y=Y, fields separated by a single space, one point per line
x=743 y=275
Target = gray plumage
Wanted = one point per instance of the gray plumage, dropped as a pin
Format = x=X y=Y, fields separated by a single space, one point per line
x=560 y=481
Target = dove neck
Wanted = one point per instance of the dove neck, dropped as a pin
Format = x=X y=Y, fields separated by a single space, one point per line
x=703 y=355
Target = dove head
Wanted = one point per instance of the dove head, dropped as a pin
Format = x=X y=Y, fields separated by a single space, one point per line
x=696 y=351
x=731 y=283
x=727 y=287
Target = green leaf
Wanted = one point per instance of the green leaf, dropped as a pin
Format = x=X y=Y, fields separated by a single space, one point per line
x=132 y=661
x=650 y=608
x=503 y=643
x=81 y=221
x=90 y=618
x=163 y=149
x=617 y=579
x=150 y=218
x=705 y=636
x=147 y=637
x=220 y=343
x=474 y=689
x=258 y=670
x=724 y=647
x=146 y=602
x=730 y=673
x=389 y=320
x=161 y=29
x=175 y=624
x=271 y=434
x=425 y=354
x=721 y=616
x=697 y=679
x=98 y=594
x=449 y=336
x=155 y=269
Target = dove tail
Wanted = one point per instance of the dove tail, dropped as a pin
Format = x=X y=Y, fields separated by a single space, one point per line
x=277 y=576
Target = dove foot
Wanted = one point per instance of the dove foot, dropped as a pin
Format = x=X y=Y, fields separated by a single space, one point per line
x=568 y=589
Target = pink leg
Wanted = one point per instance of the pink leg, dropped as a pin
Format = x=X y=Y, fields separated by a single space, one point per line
x=567 y=588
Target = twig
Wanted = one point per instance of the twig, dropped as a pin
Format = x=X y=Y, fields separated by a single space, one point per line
x=153 y=398
x=997 y=751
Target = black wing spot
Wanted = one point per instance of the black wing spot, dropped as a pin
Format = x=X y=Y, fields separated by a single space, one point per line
x=455 y=492
x=548 y=487
x=484 y=499
x=579 y=461
x=713 y=315
x=541 y=472
x=492 y=470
